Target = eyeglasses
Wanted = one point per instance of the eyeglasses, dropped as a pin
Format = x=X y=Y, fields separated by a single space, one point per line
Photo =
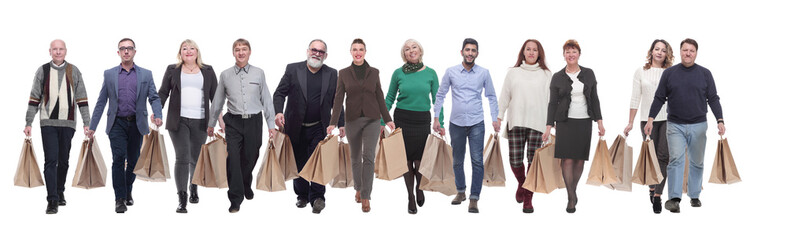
x=318 y=51
x=123 y=49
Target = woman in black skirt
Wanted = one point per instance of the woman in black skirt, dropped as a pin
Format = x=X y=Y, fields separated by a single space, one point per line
x=413 y=87
x=573 y=105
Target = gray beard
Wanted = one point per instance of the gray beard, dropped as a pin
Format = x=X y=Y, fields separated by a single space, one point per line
x=314 y=63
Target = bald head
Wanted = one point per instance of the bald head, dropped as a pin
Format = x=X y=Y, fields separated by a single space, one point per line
x=57 y=50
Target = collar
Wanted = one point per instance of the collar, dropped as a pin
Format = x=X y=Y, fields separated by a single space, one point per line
x=133 y=68
x=58 y=66
x=472 y=69
x=244 y=68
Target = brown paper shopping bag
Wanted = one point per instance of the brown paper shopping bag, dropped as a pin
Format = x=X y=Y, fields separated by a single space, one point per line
x=270 y=178
x=323 y=165
x=211 y=169
x=437 y=171
x=153 y=164
x=391 y=160
x=647 y=171
x=601 y=170
x=27 y=172
x=545 y=174
x=286 y=155
x=724 y=170
x=345 y=177
x=91 y=170
x=622 y=157
x=494 y=174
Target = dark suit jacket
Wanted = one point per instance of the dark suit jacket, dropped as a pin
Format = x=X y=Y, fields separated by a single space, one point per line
x=146 y=89
x=171 y=85
x=292 y=88
x=364 y=95
x=560 y=95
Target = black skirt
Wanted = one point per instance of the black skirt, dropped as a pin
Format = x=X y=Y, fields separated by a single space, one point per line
x=573 y=138
x=416 y=127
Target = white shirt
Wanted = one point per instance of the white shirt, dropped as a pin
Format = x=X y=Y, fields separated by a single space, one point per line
x=578 y=109
x=191 y=94
x=643 y=91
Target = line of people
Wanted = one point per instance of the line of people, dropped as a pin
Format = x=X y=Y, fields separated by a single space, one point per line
x=535 y=100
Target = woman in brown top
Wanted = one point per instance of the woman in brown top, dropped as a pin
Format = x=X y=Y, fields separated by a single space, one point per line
x=365 y=107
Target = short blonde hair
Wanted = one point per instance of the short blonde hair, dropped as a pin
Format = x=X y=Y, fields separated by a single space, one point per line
x=406 y=43
x=189 y=42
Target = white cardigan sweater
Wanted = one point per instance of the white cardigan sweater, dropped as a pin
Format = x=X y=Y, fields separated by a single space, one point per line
x=525 y=95
x=643 y=90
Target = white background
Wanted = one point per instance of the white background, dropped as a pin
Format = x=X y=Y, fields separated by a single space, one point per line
x=739 y=42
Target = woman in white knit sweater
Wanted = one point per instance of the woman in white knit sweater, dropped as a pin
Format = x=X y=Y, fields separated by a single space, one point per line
x=646 y=79
x=525 y=95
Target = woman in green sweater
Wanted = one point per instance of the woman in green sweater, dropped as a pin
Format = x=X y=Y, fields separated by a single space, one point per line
x=416 y=86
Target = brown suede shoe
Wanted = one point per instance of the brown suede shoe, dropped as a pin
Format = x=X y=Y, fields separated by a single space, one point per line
x=473 y=208
x=460 y=197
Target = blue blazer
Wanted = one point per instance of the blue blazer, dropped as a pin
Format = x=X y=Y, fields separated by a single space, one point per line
x=146 y=89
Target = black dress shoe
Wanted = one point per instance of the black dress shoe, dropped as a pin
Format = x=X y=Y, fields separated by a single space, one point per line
x=182 y=202
x=411 y=209
x=695 y=202
x=673 y=205
x=120 y=206
x=62 y=201
x=419 y=196
x=249 y=195
x=301 y=203
x=129 y=200
x=656 y=205
x=193 y=198
x=51 y=207
x=234 y=208
x=318 y=205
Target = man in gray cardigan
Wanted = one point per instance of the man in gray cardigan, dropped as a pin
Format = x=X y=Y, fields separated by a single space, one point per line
x=59 y=87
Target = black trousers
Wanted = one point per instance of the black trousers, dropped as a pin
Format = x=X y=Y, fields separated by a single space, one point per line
x=57 y=145
x=307 y=142
x=244 y=139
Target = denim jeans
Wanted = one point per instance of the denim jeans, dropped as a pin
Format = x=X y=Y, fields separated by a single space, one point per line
x=459 y=137
x=683 y=140
x=125 y=140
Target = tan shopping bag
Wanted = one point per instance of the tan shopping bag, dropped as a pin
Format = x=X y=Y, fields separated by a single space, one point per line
x=437 y=167
x=211 y=169
x=286 y=155
x=724 y=170
x=494 y=174
x=391 y=160
x=545 y=173
x=622 y=157
x=323 y=164
x=27 y=172
x=647 y=171
x=153 y=165
x=270 y=178
x=601 y=170
x=345 y=177
x=91 y=170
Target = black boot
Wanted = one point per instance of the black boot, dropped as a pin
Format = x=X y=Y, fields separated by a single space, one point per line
x=182 y=202
x=194 y=198
x=51 y=207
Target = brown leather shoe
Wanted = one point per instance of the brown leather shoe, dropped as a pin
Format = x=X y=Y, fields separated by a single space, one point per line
x=473 y=207
x=460 y=197
x=365 y=205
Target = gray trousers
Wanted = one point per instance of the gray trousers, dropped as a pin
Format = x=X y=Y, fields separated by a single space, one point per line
x=363 y=134
x=187 y=141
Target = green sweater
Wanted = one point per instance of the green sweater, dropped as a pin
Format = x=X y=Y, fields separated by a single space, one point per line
x=413 y=91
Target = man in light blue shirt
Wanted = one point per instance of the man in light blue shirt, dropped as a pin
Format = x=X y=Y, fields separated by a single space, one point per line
x=467 y=81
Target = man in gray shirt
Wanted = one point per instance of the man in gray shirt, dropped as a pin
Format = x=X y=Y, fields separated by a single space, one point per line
x=57 y=91
x=247 y=95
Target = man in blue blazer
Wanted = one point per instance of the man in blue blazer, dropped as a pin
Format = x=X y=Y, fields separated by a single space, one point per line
x=308 y=87
x=126 y=87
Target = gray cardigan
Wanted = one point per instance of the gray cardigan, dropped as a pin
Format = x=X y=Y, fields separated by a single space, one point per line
x=560 y=95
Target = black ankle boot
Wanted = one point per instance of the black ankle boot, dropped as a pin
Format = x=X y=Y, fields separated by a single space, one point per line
x=182 y=202
x=194 y=198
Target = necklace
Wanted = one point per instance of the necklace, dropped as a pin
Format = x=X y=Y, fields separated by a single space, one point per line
x=190 y=69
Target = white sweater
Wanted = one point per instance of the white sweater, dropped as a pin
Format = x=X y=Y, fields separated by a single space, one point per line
x=643 y=90
x=526 y=92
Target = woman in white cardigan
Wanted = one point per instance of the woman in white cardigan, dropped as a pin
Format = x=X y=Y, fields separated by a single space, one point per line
x=525 y=95
x=646 y=79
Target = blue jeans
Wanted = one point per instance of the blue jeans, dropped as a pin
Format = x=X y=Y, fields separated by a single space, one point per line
x=459 y=137
x=125 y=140
x=685 y=139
